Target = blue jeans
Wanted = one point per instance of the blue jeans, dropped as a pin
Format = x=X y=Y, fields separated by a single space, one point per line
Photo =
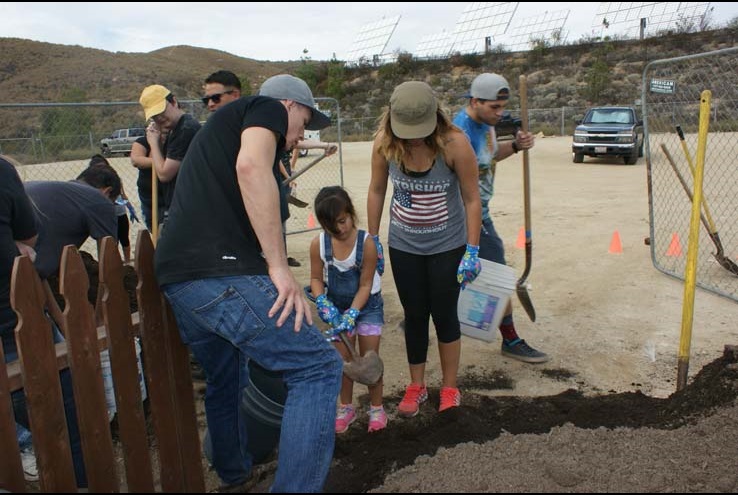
x=224 y=321
x=21 y=410
x=490 y=244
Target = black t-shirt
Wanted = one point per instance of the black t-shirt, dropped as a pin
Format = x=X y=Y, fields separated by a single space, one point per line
x=176 y=146
x=208 y=233
x=68 y=213
x=144 y=178
x=17 y=223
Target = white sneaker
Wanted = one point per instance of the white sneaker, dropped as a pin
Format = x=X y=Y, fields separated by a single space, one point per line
x=30 y=470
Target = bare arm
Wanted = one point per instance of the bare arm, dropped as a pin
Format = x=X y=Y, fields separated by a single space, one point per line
x=329 y=148
x=368 y=266
x=464 y=162
x=166 y=168
x=523 y=141
x=377 y=190
x=260 y=197
x=139 y=156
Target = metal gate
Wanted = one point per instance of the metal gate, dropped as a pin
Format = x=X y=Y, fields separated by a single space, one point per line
x=671 y=99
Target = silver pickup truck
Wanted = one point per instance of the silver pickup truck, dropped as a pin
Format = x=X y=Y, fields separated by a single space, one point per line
x=609 y=131
x=121 y=141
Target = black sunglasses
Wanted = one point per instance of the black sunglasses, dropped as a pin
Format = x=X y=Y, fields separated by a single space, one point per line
x=215 y=97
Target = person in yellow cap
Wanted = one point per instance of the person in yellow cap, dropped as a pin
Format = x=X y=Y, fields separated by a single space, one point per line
x=164 y=115
x=222 y=265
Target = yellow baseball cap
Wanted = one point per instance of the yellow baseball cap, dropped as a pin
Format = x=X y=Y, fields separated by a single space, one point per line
x=154 y=100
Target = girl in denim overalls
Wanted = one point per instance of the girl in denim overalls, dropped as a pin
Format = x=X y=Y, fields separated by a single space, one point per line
x=343 y=263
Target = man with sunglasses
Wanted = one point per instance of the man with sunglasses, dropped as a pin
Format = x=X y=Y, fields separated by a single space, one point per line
x=162 y=111
x=221 y=87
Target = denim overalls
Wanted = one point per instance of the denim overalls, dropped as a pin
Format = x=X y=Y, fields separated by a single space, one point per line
x=342 y=286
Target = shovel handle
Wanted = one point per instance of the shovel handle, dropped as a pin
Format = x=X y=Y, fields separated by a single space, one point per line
x=347 y=343
x=303 y=170
x=712 y=229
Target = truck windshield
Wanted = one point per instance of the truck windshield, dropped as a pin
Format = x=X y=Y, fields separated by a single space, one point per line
x=609 y=116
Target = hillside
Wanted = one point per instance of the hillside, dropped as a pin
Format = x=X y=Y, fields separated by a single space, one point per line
x=32 y=71
x=572 y=76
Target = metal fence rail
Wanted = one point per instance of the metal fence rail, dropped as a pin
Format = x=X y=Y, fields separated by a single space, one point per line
x=54 y=142
x=671 y=96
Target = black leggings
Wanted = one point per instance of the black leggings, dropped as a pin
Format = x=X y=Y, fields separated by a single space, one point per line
x=427 y=286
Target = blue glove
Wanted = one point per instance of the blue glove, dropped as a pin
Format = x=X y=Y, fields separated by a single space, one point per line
x=132 y=212
x=348 y=321
x=469 y=266
x=380 y=255
x=327 y=311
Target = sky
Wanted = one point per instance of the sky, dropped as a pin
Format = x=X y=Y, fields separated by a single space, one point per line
x=263 y=31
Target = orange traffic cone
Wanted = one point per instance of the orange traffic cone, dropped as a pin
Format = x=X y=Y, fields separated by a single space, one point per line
x=675 y=248
x=520 y=243
x=616 y=247
x=311 y=221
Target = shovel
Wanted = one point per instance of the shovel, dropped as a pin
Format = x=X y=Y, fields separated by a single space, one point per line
x=366 y=369
x=304 y=169
x=726 y=263
x=522 y=287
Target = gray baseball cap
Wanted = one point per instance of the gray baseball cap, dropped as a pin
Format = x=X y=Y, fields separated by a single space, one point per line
x=286 y=87
x=488 y=86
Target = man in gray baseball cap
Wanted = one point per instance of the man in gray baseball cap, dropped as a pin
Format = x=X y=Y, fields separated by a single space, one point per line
x=222 y=264
x=488 y=97
x=489 y=86
x=286 y=87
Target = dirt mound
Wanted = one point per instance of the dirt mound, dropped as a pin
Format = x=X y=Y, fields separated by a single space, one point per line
x=363 y=461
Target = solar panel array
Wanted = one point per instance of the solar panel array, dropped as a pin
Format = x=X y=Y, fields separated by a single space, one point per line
x=478 y=21
x=625 y=17
x=547 y=26
x=372 y=39
x=483 y=24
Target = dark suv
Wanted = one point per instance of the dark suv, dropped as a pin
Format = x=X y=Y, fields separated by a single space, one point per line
x=609 y=131
x=121 y=141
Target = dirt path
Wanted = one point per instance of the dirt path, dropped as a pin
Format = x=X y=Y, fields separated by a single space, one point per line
x=611 y=322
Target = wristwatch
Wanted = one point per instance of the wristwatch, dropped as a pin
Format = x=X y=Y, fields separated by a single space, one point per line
x=515 y=147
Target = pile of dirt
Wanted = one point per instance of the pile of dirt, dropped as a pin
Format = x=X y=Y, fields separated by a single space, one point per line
x=130 y=280
x=362 y=461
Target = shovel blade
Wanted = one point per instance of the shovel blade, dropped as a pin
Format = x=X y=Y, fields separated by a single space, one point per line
x=727 y=263
x=366 y=369
x=524 y=298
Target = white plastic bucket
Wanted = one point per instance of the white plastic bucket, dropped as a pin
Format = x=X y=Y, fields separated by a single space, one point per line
x=107 y=375
x=482 y=304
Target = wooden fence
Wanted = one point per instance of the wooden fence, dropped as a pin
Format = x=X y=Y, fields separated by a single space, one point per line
x=167 y=373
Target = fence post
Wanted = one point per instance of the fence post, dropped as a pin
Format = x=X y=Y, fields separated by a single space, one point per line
x=563 y=116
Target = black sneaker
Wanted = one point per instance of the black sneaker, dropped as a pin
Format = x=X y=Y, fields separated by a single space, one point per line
x=520 y=350
x=293 y=262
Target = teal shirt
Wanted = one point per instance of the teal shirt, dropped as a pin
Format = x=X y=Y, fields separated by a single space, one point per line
x=484 y=142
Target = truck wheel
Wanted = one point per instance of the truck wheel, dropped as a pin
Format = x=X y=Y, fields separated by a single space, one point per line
x=632 y=159
x=105 y=151
x=578 y=157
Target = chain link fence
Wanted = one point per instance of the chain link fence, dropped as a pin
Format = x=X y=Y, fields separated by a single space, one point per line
x=558 y=121
x=55 y=141
x=671 y=96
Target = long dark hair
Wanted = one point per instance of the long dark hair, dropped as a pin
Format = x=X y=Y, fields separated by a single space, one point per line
x=330 y=203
